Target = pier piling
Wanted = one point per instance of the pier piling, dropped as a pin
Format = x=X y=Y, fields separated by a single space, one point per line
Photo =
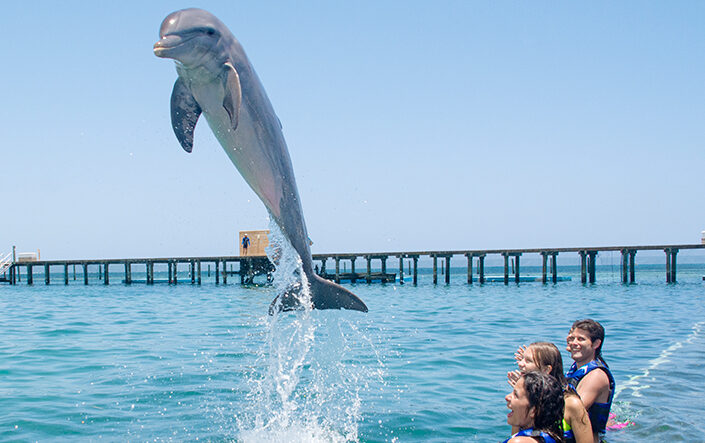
x=671 y=264
x=337 y=270
x=554 y=270
x=128 y=273
x=401 y=269
x=632 y=271
x=469 y=256
x=516 y=256
x=592 y=255
x=368 y=277
x=435 y=269
x=625 y=265
x=415 y=278
x=448 y=269
x=544 y=261
x=150 y=272
x=628 y=273
x=481 y=268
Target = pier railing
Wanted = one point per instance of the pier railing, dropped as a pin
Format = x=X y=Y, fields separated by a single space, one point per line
x=250 y=266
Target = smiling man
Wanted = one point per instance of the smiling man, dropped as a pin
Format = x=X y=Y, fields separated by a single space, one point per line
x=589 y=373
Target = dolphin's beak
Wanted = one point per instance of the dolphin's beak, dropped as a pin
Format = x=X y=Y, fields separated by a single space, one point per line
x=158 y=48
x=163 y=47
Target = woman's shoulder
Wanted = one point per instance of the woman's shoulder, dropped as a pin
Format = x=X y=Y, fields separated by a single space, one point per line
x=575 y=415
x=573 y=402
x=574 y=407
x=521 y=439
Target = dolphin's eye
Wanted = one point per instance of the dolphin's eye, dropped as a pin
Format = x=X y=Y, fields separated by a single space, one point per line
x=210 y=31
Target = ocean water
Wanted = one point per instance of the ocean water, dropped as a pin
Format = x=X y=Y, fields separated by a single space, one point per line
x=427 y=363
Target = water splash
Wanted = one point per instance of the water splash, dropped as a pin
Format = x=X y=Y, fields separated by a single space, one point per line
x=303 y=387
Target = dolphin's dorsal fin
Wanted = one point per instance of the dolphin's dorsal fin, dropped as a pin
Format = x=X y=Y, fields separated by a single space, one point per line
x=184 y=114
x=233 y=94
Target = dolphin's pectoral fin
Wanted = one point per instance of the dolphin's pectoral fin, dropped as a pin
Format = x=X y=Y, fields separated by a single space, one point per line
x=184 y=114
x=233 y=94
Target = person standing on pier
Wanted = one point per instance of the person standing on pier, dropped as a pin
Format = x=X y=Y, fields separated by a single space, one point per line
x=590 y=374
x=245 y=244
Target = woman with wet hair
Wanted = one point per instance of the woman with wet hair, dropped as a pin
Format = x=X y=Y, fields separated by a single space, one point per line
x=536 y=406
x=545 y=357
x=589 y=373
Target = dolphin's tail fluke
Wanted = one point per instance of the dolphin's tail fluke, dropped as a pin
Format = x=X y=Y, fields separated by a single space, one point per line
x=324 y=295
x=328 y=295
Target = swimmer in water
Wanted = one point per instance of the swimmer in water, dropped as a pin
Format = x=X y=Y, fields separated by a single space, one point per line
x=545 y=357
x=589 y=373
x=536 y=405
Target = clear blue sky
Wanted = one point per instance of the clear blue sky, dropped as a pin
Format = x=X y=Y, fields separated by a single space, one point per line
x=411 y=126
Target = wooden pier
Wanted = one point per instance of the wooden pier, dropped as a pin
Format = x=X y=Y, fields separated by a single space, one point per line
x=588 y=257
x=251 y=266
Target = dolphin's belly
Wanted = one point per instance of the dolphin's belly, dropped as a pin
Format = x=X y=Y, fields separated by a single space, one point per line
x=252 y=155
x=258 y=150
x=246 y=146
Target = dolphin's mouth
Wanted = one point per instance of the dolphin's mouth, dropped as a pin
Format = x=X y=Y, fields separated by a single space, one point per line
x=169 y=42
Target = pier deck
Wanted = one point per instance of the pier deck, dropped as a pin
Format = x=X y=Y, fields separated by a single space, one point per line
x=251 y=266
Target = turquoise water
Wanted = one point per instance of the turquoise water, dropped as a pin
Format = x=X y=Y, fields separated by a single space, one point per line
x=427 y=363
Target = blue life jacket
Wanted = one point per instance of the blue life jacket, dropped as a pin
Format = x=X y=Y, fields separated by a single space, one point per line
x=598 y=412
x=529 y=432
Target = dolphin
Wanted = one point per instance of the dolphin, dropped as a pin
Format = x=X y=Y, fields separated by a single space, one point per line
x=216 y=79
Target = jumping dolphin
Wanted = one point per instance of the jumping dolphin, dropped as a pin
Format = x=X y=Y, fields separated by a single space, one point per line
x=217 y=79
